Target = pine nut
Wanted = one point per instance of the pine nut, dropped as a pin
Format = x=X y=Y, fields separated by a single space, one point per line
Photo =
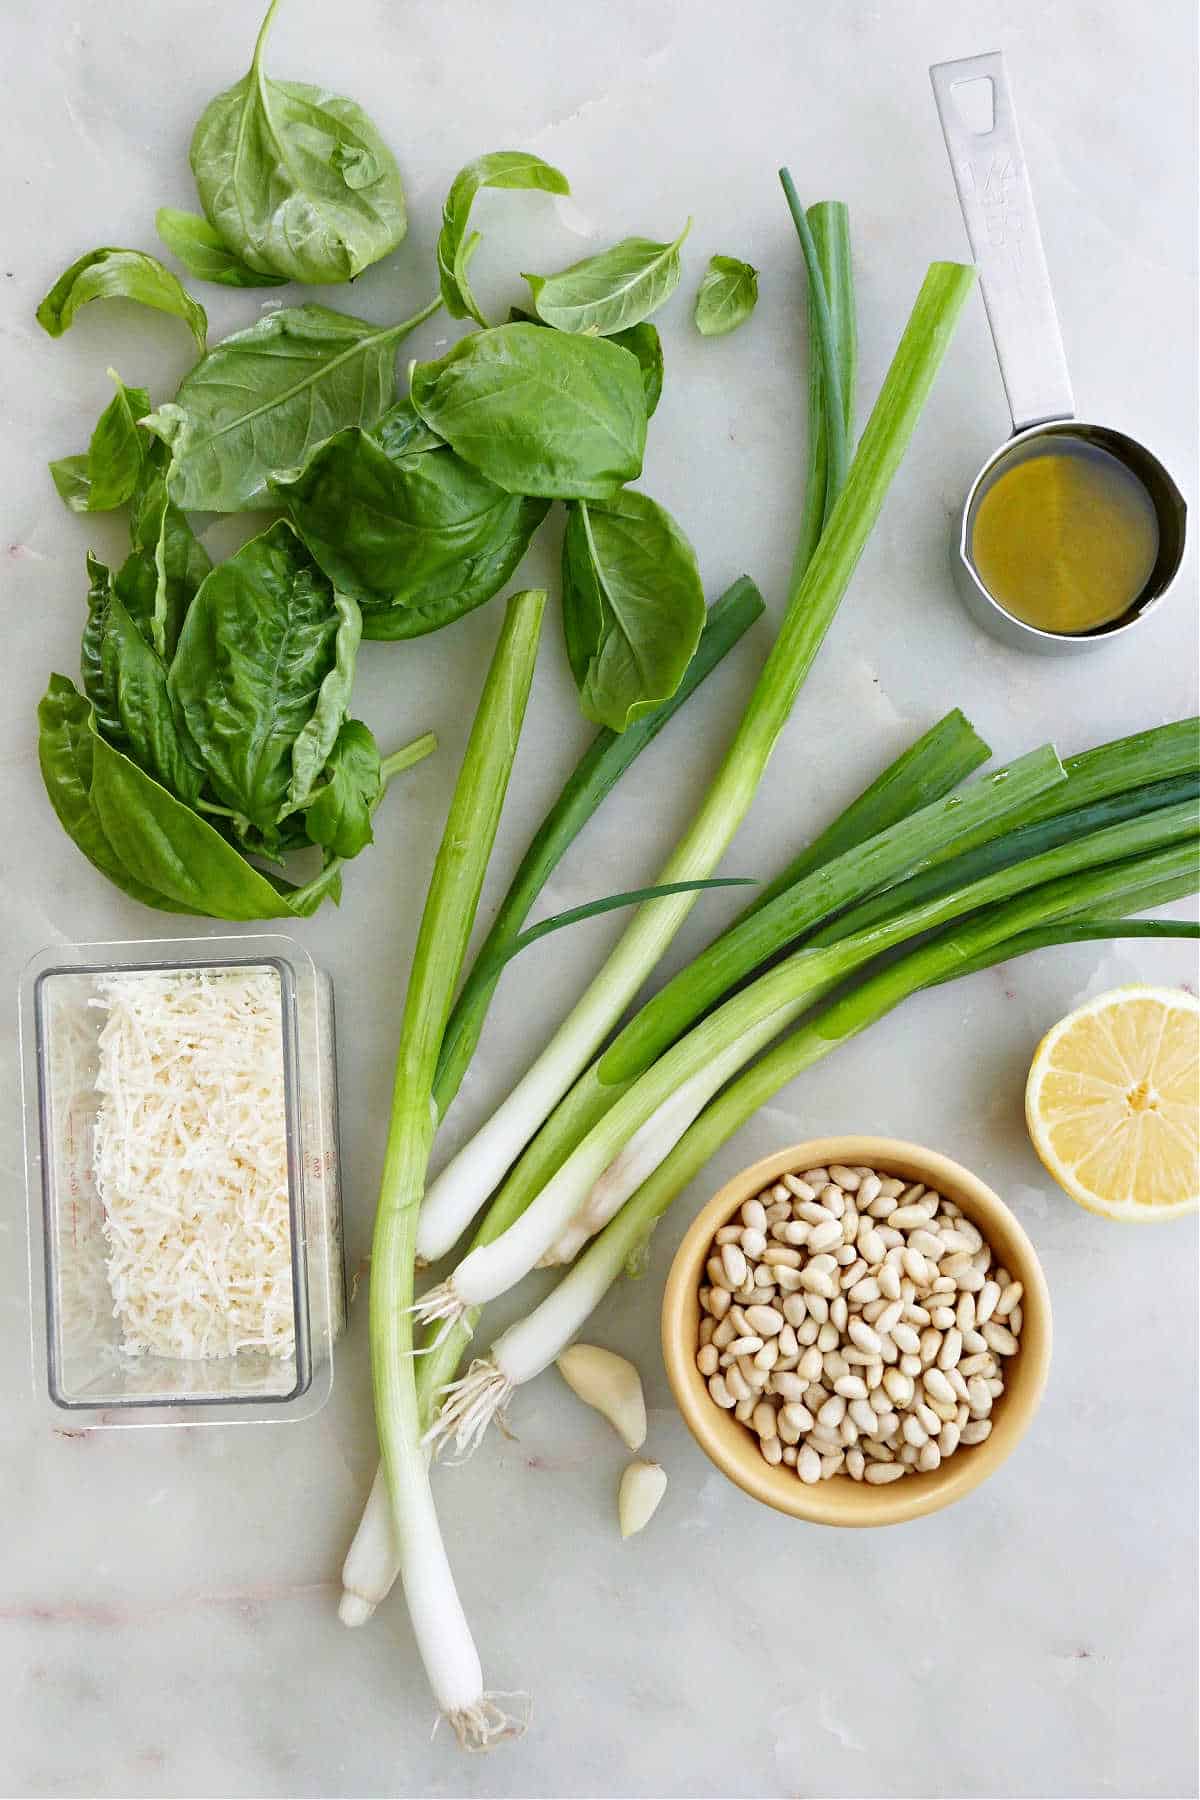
x=728 y=1234
x=833 y=1411
x=906 y=1339
x=850 y=1387
x=931 y=1343
x=789 y=1455
x=964 y=1312
x=737 y=1384
x=839 y=1312
x=948 y=1438
x=754 y=1243
x=957 y=1382
x=929 y=1457
x=734 y=1264
x=808 y=1466
x=941 y=1318
x=889 y=1282
x=745 y=1346
x=827 y=1338
x=772 y=1450
x=868 y=1189
x=830 y=1465
x=786 y=1344
x=928 y=1244
x=810 y=1364
x=822 y=1236
x=807 y=1333
x=936 y=1385
x=720 y=1392
x=744 y=1409
x=976 y=1431
x=719 y=1301
x=707 y=1359
x=898 y=1386
x=856 y=1464
x=800 y=1190
x=951 y=1348
x=986 y=1303
x=979 y=1397
x=1000 y=1339
x=881 y=1472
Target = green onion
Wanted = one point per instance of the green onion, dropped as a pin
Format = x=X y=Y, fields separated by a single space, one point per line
x=675 y=1089
x=606 y=759
x=439 y=1624
x=474 y=1172
x=829 y=221
x=1002 y=932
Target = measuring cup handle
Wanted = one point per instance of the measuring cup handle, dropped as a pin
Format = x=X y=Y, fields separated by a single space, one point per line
x=997 y=205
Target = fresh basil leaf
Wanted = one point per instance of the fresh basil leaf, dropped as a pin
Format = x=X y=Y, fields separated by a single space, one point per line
x=159 y=579
x=727 y=296
x=204 y=253
x=96 y=677
x=501 y=169
x=263 y=398
x=316 y=738
x=258 y=642
x=295 y=180
x=137 y=679
x=642 y=341
x=172 y=850
x=72 y=479
x=65 y=745
x=609 y=292
x=401 y=432
x=108 y=474
x=539 y=412
x=118 y=450
x=112 y=274
x=633 y=606
x=339 y=816
x=418 y=537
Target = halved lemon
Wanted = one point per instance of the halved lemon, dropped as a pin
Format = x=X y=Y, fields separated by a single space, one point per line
x=1113 y=1103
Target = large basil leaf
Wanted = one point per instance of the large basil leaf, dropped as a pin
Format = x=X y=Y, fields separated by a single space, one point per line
x=96 y=677
x=340 y=814
x=417 y=537
x=633 y=606
x=65 y=743
x=170 y=849
x=609 y=292
x=204 y=253
x=539 y=412
x=263 y=398
x=642 y=341
x=258 y=642
x=501 y=169
x=727 y=296
x=113 y=274
x=108 y=475
x=295 y=180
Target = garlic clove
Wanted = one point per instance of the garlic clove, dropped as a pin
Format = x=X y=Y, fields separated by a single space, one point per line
x=612 y=1385
x=642 y=1487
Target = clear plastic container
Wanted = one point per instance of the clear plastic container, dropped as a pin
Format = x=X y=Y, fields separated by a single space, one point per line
x=82 y=1364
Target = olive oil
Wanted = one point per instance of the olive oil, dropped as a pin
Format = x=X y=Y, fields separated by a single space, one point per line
x=1064 y=537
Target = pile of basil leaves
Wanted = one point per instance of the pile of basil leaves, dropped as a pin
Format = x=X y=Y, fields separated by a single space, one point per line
x=213 y=736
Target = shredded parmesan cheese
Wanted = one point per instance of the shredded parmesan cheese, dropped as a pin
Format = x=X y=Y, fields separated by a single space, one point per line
x=191 y=1162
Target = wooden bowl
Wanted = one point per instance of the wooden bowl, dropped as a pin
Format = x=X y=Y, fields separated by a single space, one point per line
x=733 y=1447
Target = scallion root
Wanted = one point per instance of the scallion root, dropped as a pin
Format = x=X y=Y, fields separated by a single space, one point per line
x=440 y=1302
x=470 y=1405
x=486 y=1724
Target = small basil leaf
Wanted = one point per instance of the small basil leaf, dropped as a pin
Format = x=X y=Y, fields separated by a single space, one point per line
x=633 y=606
x=65 y=745
x=727 y=296
x=94 y=673
x=316 y=738
x=118 y=450
x=418 y=537
x=109 y=474
x=138 y=680
x=339 y=815
x=204 y=253
x=159 y=579
x=258 y=641
x=74 y=483
x=609 y=292
x=170 y=849
x=642 y=341
x=112 y=274
x=501 y=169
x=296 y=181
x=539 y=412
x=401 y=432
x=263 y=398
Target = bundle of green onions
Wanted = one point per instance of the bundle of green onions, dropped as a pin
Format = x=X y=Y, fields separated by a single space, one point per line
x=1037 y=853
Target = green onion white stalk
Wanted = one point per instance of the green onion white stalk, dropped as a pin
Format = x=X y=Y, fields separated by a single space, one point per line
x=1054 y=913
x=460 y=1189
x=439 y=1624
x=725 y=1041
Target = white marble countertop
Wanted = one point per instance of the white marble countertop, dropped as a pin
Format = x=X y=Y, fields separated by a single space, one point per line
x=167 y=1599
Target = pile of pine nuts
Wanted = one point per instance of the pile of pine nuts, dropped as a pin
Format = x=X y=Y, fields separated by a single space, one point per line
x=856 y=1325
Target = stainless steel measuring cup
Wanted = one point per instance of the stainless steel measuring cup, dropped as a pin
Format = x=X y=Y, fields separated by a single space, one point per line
x=997 y=206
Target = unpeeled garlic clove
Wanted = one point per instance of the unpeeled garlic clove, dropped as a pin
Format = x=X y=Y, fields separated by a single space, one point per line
x=642 y=1487
x=612 y=1385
